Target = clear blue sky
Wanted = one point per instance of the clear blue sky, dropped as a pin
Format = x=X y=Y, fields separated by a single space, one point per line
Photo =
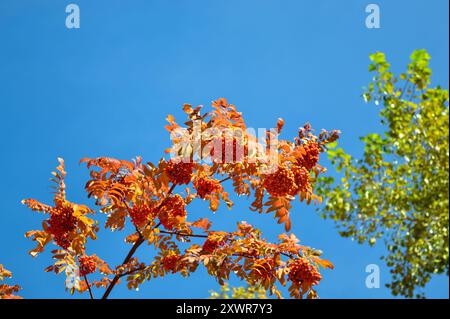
x=105 y=89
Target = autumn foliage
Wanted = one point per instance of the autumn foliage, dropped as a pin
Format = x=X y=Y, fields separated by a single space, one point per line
x=211 y=152
x=7 y=291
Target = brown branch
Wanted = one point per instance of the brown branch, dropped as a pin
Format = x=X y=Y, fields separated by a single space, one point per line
x=206 y=236
x=88 y=286
x=288 y=255
x=141 y=240
x=125 y=261
x=225 y=179
x=133 y=249
x=182 y=234
x=131 y=272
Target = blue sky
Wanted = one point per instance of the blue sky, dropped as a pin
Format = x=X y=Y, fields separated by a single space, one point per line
x=106 y=88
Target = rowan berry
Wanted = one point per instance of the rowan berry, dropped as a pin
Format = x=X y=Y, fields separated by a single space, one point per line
x=206 y=186
x=301 y=271
x=87 y=265
x=280 y=183
x=179 y=172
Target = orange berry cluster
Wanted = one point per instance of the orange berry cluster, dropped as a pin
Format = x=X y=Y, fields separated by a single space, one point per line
x=280 y=183
x=179 y=172
x=87 y=265
x=301 y=177
x=62 y=222
x=302 y=272
x=170 y=263
x=311 y=155
x=287 y=181
x=173 y=210
x=210 y=245
x=206 y=186
x=140 y=214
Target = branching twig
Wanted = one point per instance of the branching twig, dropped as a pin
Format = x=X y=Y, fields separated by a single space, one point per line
x=133 y=249
x=125 y=261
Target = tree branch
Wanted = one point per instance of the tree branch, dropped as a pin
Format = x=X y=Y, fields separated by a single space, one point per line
x=182 y=234
x=89 y=286
x=125 y=261
x=131 y=272
x=225 y=179
x=133 y=249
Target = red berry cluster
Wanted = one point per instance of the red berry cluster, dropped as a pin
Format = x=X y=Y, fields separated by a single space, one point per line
x=174 y=208
x=302 y=272
x=288 y=181
x=170 y=263
x=61 y=223
x=210 y=245
x=280 y=183
x=301 y=177
x=179 y=172
x=228 y=145
x=310 y=156
x=206 y=186
x=87 y=265
x=140 y=214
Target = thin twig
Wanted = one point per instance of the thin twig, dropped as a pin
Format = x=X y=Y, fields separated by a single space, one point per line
x=89 y=286
x=125 y=261
x=182 y=234
x=133 y=249
x=131 y=272
x=225 y=179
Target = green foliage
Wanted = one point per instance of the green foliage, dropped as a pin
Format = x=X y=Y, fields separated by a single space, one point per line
x=398 y=190
x=251 y=292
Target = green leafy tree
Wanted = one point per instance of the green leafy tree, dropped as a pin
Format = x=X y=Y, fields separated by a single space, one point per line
x=249 y=292
x=399 y=189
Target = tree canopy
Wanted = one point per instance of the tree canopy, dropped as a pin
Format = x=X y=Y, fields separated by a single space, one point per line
x=249 y=292
x=399 y=189
x=211 y=150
